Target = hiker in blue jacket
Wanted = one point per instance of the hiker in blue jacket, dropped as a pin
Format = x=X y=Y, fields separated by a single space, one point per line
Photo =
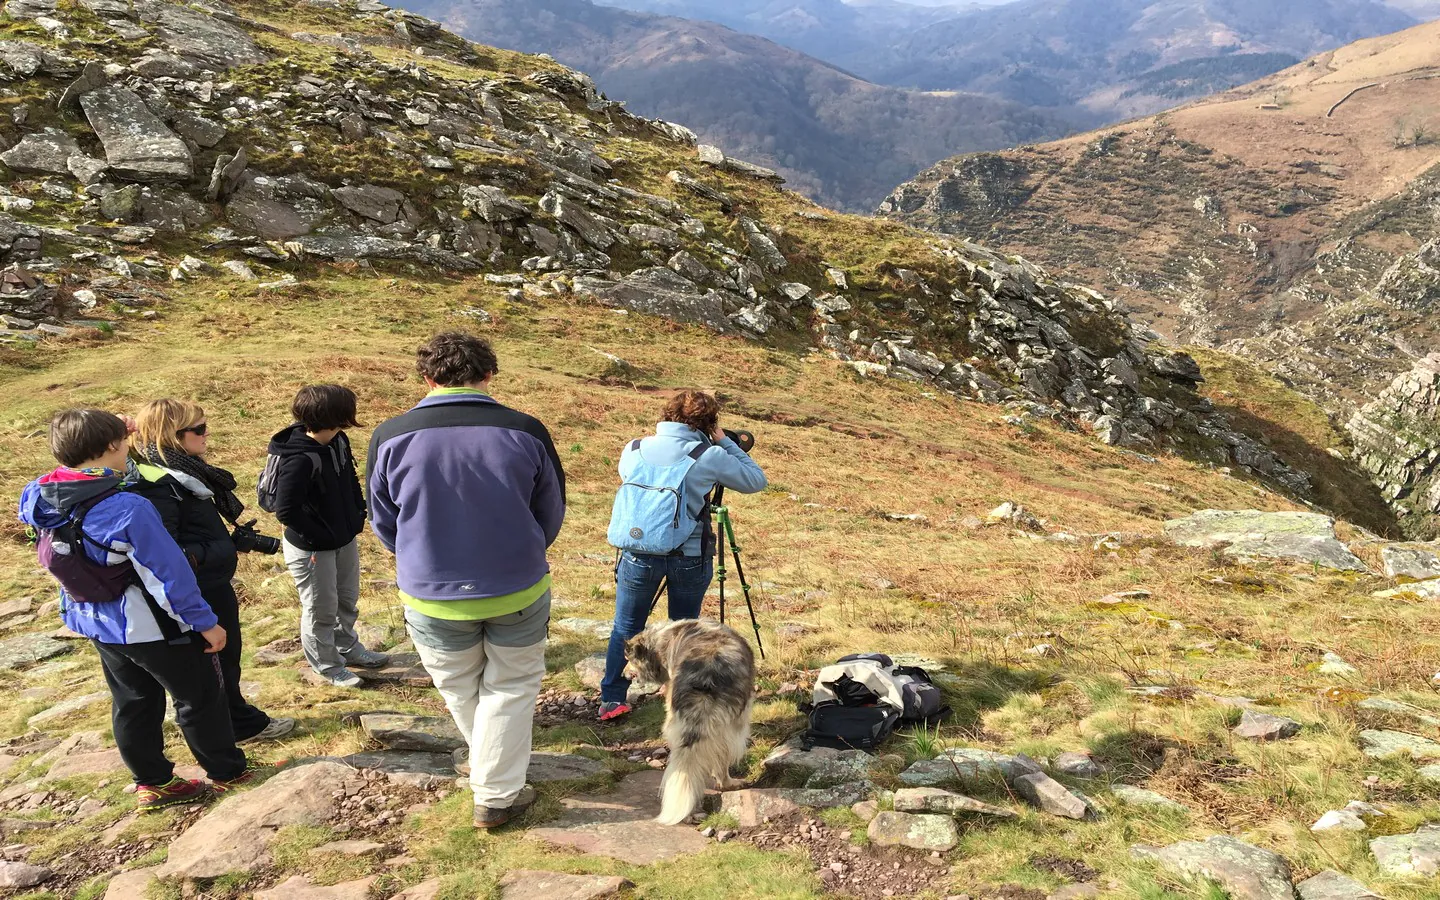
x=142 y=609
x=688 y=435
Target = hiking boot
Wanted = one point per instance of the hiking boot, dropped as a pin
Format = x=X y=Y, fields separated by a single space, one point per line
x=345 y=679
x=279 y=727
x=366 y=659
x=609 y=712
x=246 y=778
x=494 y=817
x=175 y=792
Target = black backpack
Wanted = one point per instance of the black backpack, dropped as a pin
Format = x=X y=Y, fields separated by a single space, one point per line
x=267 y=489
x=84 y=579
x=859 y=701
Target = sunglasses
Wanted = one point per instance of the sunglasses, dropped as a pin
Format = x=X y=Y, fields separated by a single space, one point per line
x=196 y=429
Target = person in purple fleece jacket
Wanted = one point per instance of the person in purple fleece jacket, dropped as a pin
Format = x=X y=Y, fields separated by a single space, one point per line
x=468 y=494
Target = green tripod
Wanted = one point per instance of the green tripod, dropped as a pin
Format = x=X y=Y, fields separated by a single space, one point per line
x=725 y=531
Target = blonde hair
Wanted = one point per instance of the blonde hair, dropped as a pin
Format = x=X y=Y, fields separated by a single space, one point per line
x=160 y=421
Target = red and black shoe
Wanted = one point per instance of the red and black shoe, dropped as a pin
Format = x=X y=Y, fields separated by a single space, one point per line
x=253 y=772
x=609 y=712
x=175 y=792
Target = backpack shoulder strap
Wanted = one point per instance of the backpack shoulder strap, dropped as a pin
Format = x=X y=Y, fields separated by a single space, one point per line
x=699 y=450
x=635 y=444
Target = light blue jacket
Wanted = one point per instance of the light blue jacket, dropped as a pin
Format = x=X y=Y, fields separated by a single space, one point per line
x=724 y=463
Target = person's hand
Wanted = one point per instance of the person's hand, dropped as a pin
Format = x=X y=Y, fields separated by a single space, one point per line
x=215 y=637
x=718 y=434
x=130 y=426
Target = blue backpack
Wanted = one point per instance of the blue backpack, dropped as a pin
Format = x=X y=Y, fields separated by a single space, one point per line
x=649 y=514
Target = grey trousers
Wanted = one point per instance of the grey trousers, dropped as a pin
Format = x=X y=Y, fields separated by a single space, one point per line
x=329 y=586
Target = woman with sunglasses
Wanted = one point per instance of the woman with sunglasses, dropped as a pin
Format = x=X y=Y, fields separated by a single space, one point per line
x=195 y=500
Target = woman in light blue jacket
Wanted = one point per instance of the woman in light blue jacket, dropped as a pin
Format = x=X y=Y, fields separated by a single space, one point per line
x=689 y=429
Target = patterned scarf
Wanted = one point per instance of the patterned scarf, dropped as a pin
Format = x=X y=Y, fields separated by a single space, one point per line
x=220 y=482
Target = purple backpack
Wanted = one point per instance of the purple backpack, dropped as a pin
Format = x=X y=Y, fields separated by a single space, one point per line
x=84 y=579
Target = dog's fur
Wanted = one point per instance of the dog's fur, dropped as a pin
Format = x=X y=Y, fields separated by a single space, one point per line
x=709 y=673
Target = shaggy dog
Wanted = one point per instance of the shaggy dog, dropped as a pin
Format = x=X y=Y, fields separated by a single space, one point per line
x=709 y=673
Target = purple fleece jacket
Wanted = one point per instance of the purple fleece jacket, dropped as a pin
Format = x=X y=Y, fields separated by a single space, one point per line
x=467 y=494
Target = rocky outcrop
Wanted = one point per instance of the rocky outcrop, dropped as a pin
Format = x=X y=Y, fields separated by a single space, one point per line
x=138 y=145
x=1397 y=441
x=1248 y=533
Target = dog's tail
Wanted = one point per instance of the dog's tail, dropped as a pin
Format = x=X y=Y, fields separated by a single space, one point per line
x=700 y=756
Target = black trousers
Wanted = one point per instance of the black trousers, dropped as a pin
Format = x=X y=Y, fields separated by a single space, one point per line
x=245 y=719
x=139 y=676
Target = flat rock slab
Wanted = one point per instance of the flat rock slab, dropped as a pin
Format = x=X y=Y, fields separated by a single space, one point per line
x=621 y=825
x=967 y=766
x=934 y=800
x=235 y=835
x=1247 y=872
x=404 y=668
x=1399 y=708
x=529 y=884
x=404 y=762
x=756 y=806
x=298 y=887
x=137 y=142
x=1299 y=536
x=22 y=875
x=1409 y=855
x=1331 y=885
x=74 y=704
x=1136 y=796
x=1380 y=744
x=589 y=627
x=544 y=767
x=29 y=648
x=132 y=885
x=1412 y=561
x=917 y=831
x=96 y=763
x=432 y=734
x=1257 y=726
x=819 y=767
x=1051 y=796
x=591 y=670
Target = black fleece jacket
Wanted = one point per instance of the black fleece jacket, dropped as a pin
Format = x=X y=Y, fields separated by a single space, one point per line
x=194 y=522
x=317 y=493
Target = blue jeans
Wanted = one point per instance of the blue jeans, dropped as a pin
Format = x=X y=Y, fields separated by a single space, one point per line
x=637 y=578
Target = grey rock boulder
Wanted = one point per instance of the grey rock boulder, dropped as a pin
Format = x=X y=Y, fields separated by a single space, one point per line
x=1247 y=872
x=200 y=37
x=379 y=204
x=591 y=670
x=1077 y=765
x=1264 y=727
x=592 y=228
x=1332 y=885
x=277 y=208
x=531 y=884
x=1299 y=536
x=194 y=127
x=662 y=292
x=16 y=875
x=29 y=9
x=29 y=648
x=431 y=734
x=1137 y=796
x=138 y=145
x=48 y=152
x=1051 y=796
x=1414 y=562
x=492 y=204
x=917 y=831
x=935 y=800
x=967 y=766
x=1409 y=855
x=762 y=246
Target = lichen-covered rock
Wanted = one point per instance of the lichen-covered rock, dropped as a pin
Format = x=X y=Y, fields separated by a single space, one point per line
x=1332 y=885
x=1304 y=537
x=432 y=734
x=1137 y=796
x=48 y=152
x=1247 y=872
x=1264 y=727
x=1414 y=561
x=1380 y=744
x=201 y=37
x=1409 y=855
x=934 y=800
x=917 y=831
x=662 y=292
x=138 y=145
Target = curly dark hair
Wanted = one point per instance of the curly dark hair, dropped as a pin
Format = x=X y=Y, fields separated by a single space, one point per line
x=697 y=409
x=454 y=358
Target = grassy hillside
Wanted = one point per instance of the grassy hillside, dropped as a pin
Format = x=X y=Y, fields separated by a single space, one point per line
x=871 y=536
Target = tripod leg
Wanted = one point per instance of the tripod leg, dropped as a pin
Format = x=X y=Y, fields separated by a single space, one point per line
x=745 y=588
x=655 y=601
x=724 y=516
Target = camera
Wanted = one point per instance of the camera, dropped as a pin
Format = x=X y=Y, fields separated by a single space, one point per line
x=248 y=540
x=743 y=439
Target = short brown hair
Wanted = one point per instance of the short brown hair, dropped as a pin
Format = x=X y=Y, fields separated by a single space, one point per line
x=323 y=406
x=80 y=435
x=454 y=358
x=160 y=422
x=697 y=409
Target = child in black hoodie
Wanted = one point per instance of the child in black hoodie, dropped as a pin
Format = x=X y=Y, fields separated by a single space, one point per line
x=317 y=497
